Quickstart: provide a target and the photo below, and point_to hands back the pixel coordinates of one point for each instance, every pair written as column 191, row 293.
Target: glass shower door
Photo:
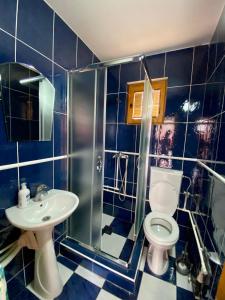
column 143, row 159
column 86, row 151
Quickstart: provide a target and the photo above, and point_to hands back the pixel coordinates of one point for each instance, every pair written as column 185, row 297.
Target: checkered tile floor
column 82, row 284
column 120, row 242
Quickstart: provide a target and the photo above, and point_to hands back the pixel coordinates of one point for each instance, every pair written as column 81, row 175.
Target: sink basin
column 55, row 207
column 41, row 217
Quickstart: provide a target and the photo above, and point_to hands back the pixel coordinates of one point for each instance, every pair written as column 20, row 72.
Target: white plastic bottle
column 23, row 196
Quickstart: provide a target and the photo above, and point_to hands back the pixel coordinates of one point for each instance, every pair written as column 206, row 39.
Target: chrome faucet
column 42, row 190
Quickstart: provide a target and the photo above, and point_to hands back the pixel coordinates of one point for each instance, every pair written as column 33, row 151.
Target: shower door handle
column 99, row 164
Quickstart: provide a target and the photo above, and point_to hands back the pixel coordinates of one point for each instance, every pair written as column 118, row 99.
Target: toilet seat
column 163, row 220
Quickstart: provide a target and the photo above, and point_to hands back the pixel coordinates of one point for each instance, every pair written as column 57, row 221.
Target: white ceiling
column 119, row 28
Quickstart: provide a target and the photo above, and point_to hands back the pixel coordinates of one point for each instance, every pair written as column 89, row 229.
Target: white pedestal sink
column 41, row 217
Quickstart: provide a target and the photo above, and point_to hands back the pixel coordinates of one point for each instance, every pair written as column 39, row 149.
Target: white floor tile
column 103, row 295
column 131, row 233
column 155, row 289
column 106, row 220
column 143, row 259
column 112, row 244
column 172, row 252
column 30, row 288
column 182, row 281
column 65, row 273
column 90, row 276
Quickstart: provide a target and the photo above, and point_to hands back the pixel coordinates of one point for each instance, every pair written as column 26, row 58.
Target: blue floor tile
column 120, row 227
column 80, row 289
column 117, row 291
column 127, row 250
column 184, row 294
column 25, row 295
column 169, row 276
column 67, row 263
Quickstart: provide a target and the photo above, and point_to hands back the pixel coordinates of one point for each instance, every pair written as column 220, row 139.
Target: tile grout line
column 16, row 24
column 189, row 98
column 53, row 81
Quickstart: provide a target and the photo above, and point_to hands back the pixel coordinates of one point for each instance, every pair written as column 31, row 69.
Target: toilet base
column 157, row 259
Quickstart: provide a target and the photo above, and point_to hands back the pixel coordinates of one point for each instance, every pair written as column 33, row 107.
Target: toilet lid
column 163, row 198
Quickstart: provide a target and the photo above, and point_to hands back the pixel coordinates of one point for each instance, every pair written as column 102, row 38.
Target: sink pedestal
column 47, row 282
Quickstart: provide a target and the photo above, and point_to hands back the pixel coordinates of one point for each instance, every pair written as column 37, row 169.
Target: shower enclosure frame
column 95, row 67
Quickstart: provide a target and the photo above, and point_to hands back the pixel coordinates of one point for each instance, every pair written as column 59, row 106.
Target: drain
column 46, row 218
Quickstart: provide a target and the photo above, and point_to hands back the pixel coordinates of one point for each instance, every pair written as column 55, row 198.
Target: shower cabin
column 102, row 221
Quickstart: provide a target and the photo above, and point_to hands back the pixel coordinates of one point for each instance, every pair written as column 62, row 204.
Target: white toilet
column 161, row 230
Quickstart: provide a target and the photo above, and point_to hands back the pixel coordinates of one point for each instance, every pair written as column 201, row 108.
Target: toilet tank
column 164, row 190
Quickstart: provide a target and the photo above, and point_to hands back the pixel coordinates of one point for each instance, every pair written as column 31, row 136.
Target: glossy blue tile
column 7, row 149
column 28, row 256
column 63, row 35
column 121, row 227
column 196, row 102
column 126, row 138
column 7, row 44
column 200, row 65
column 29, row 273
column 132, row 169
column 169, row 276
column 221, row 145
column 111, row 108
column 178, row 67
column 212, row 60
column 108, row 197
column 109, row 165
column 116, row 291
column 60, row 174
column 192, row 138
column 156, row 64
column 60, row 84
column 122, row 201
column 35, row 25
column 35, row 150
column 60, row 231
column 213, row 99
column 113, row 79
column 129, row 72
column 79, row 288
column 110, row 137
column 26, row 295
column 67, row 263
column 122, row 108
column 170, row 137
column 127, row 250
column 60, row 134
column 122, row 214
column 177, row 104
column 185, row 233
column 37, row 174
column 220, row 51
column 14, row 266
column 184, row 294
column 84, row 54
column 16, row 285
column 219, row 74
column 26, row 55
column 8, row 188
column 8, row 15
column 108, row 209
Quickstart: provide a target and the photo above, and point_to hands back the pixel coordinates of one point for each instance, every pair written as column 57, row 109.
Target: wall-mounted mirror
column 27, row 101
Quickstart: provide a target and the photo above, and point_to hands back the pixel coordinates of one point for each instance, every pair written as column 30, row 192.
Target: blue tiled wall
column 187, row 72
column 211, row 147
column 39, row 38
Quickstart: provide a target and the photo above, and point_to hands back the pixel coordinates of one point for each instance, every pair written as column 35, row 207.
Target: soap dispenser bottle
column 23, row 196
